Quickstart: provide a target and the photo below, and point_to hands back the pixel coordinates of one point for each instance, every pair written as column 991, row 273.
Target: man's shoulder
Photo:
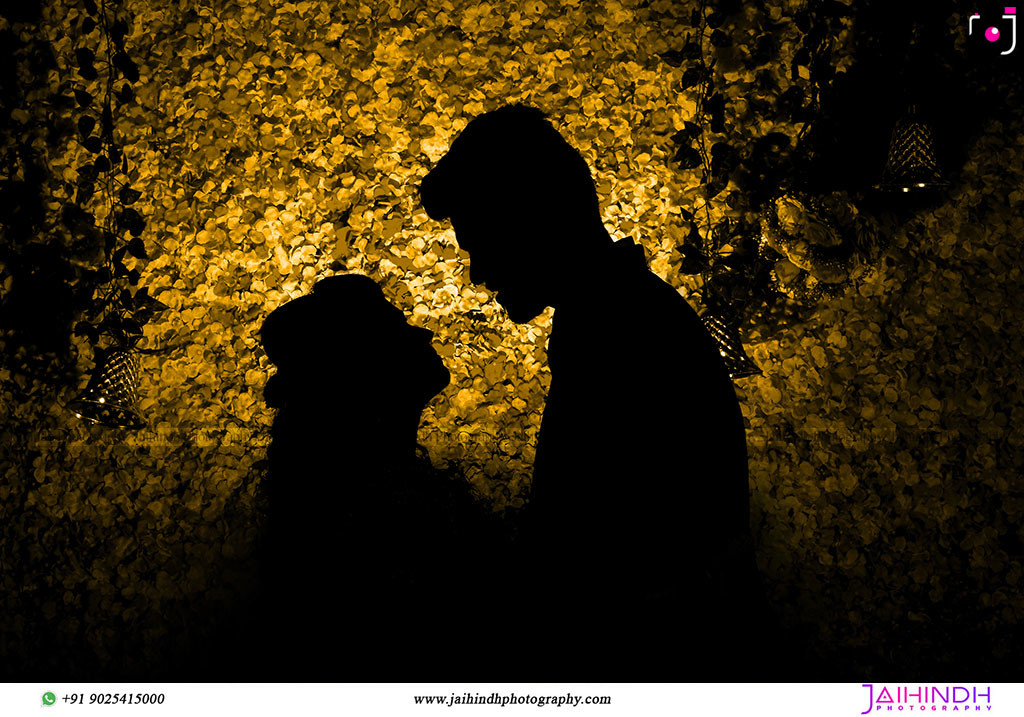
column 638, row 314
column 646, row 295
column 629, row 306
column 645, row 285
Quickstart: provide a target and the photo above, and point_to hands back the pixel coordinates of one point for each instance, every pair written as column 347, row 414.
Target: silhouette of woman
column 368, row 549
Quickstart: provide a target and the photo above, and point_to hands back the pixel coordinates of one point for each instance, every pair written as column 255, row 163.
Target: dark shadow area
column 907, row 54
column 44, row 266
column 640, row 558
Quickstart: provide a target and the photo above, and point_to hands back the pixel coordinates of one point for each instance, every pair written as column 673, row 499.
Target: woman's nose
column 272, row 393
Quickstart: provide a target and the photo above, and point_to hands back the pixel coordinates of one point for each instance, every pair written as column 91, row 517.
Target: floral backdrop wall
column 274, row 143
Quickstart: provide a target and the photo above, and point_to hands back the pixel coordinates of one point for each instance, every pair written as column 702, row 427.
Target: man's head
column 522, row 203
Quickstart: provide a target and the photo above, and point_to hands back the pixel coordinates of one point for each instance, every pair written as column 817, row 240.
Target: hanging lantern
column 911, row 166
column 111, row 396
column 727, row 339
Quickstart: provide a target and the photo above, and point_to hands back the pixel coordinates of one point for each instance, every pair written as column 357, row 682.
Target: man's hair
column 513, row 154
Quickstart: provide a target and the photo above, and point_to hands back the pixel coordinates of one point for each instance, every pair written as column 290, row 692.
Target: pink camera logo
column 993, row 34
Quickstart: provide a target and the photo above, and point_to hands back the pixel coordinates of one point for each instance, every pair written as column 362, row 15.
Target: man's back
column 640, row 485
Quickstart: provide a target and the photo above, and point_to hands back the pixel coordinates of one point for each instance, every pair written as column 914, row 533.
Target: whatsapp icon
column 49, row 698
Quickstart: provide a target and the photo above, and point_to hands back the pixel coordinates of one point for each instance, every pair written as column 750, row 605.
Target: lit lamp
column 111, row 396
column 911, row 166
column 727, row 340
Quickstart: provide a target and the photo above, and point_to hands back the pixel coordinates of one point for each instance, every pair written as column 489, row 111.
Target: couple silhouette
column 632, row 560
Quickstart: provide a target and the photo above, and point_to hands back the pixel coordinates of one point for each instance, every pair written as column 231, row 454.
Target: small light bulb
column 103, row 400
column 920, row 184
column 906, row 189
column 723, row 353
column 78, row 415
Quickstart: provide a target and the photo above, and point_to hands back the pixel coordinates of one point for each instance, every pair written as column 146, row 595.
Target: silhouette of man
column 640, row 505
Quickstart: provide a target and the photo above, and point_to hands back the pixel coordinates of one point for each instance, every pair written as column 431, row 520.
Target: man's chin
column 441, row 378
column 520, row 310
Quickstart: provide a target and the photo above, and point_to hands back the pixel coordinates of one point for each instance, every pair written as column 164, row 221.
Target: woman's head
column 346, row 349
